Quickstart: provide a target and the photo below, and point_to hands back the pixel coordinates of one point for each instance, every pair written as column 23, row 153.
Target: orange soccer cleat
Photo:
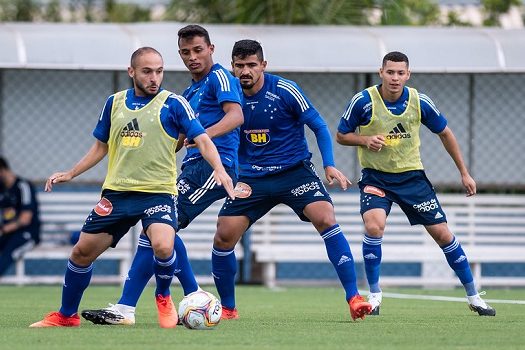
column 56, row 319
column 359, row 307
column 229, row 314
column 168, row 317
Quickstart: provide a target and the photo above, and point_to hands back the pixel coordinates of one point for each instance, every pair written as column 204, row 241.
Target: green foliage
column 125, row 13
column 18, row 10
column 52, row 12
column 409, row 12
column 270, row 11
column 495, row 8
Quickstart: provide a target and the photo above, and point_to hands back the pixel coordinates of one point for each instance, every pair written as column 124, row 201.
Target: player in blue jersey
column 384, row 121
column 19, row 221
column 215, row 96
column 275, row 168
column 138, row 130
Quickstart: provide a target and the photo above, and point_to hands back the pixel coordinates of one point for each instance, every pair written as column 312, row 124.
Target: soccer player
column 138, row 129
column 215, row 96
column 274, row 168
column 388, row 117
column 19, row 221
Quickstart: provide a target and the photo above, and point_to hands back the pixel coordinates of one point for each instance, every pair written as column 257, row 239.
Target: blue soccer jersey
column 359, row 112
column 272, row 136
column 206, row 97
column 176, row 117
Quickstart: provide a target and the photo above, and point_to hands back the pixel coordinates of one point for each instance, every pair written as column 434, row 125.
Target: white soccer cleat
column 476, row 304
column 118, row 314
column 375, row 300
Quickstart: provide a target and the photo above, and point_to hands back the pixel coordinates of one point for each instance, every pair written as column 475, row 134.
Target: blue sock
column 224, row 268
column 458, row 261
column 76, row 281
column 341, row 257
column 183, row 270
column 164, row 269
column 372, row 258
column 139, row 274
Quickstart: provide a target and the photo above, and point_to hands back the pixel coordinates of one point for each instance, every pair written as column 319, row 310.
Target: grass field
column 287, row 318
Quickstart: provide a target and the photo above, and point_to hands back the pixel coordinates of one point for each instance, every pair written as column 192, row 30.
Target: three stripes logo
column 396, row 134
column 131, row 134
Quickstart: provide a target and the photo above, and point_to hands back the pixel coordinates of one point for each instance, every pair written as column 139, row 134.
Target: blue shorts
column 198, row 190
column 117, row 212
column 411, row 190
column 296, row 187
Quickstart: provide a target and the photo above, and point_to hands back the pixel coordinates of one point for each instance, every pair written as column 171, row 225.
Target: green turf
column 288, row 318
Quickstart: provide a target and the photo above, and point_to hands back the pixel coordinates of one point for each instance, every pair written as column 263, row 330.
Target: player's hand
column 57, row 178
column 223, row 179
column 375, row 143
column 469, row 184
column 332, row 174
column 187, row 144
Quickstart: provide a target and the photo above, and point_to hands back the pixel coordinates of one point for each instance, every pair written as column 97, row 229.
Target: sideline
column 443, row 298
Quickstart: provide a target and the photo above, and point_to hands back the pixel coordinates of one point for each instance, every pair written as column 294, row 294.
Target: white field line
column 442, row 298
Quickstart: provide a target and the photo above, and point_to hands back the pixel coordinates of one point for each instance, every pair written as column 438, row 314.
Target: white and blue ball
column 200, row 310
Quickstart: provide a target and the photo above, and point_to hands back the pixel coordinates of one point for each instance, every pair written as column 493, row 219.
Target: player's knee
column 224, row 241
column 82, row 256
column 162, row 249
column 375, row 229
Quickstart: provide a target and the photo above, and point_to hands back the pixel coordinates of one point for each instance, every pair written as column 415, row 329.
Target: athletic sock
column 224, row 268
column 372, row 254
column 76, row 280
column 457, row 260
column 164, row 269
column 340, row 256
column 139, row 274
column 183, row 270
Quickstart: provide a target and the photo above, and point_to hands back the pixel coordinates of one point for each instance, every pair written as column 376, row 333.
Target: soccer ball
column 200, row 310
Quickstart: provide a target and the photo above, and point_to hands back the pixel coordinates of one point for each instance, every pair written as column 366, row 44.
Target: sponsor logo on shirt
column 396, row 135
column 131, row 135
column 258, row 137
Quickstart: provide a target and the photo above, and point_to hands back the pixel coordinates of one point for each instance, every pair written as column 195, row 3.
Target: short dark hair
column 139, row 52
column 247, row 47
column 193, row 30
column 395, row 56
column 4, row 165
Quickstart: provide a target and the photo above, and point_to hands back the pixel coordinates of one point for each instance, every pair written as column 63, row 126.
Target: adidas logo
column 131, row 134
column 460, row 259
column 343, row 259
column 398, row 132
column 370, row 256
column 318, row 194
column 438, row 215
column 166, row 217
column 132, row 125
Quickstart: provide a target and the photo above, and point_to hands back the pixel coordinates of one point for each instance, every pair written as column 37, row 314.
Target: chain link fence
column 47, row 117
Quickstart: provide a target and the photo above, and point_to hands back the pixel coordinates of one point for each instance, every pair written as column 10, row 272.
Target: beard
column 145, row 90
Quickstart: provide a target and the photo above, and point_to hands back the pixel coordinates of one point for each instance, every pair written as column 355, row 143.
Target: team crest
column 104, row 207
column 242, row 190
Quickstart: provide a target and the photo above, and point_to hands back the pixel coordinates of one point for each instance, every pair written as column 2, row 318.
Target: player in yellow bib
column 383, row 121
column 138, row 129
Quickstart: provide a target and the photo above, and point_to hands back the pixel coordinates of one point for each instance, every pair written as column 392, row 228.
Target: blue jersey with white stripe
column 272, row 136
column 206, row 96
column 359, row 112
column 176, row 116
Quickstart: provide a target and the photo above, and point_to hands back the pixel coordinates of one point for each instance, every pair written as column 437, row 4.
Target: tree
column 409, row 12
column 270, row 11
column 495, row 8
